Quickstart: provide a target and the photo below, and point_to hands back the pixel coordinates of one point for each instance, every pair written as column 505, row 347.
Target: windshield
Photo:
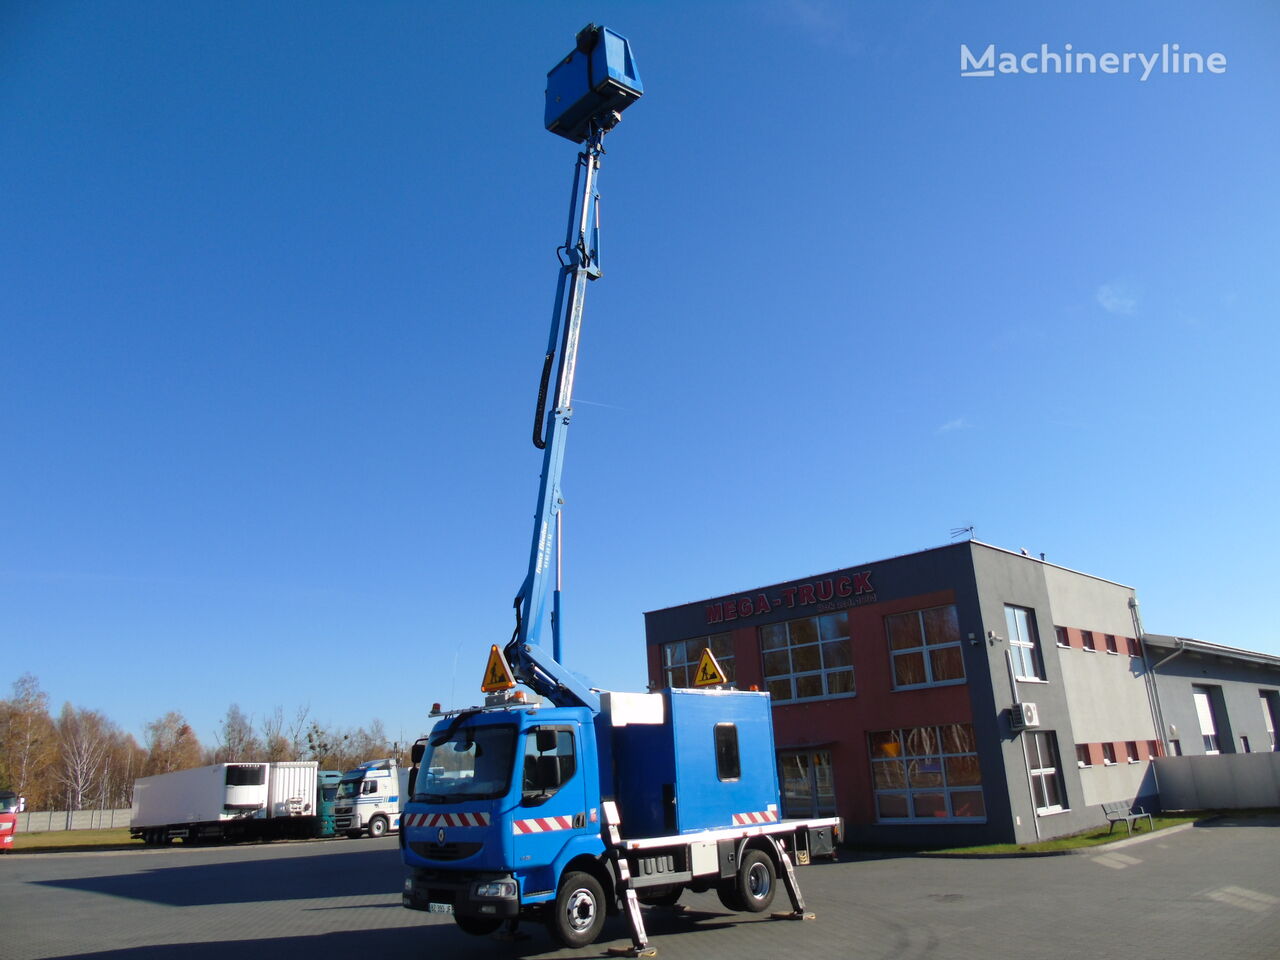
column 349, row 789
column 472, row 763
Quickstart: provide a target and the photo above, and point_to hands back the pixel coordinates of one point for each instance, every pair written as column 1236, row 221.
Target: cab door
column 552, row 806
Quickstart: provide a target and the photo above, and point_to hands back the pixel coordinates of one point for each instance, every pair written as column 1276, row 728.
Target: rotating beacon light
column 592, row 85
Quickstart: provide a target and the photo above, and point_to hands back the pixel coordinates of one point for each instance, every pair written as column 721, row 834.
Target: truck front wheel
column 577, row 916
column 378, row 827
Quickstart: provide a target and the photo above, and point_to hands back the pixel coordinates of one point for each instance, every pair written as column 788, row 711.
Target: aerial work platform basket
column 593, row 84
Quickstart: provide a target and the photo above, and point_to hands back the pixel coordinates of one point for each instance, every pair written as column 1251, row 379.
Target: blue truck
column 561, row 803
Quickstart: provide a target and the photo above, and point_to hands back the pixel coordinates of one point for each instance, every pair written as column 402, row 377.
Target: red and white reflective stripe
column 447, row 820
column 764, row 816
column 543, row 825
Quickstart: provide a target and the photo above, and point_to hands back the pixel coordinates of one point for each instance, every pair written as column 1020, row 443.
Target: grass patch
column 62, row 841
column 1090, row 838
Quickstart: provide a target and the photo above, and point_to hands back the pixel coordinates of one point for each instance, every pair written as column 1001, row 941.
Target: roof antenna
column 958, row 532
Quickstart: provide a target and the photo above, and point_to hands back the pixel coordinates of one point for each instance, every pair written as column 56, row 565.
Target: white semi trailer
column 227, row 801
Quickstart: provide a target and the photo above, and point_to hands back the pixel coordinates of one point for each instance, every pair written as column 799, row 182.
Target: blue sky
column 275, row 281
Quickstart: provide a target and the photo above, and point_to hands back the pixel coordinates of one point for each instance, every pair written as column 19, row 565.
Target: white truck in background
column 228, row 801
column 370, row 798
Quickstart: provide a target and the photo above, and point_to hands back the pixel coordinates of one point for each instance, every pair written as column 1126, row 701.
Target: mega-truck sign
column 846, row 589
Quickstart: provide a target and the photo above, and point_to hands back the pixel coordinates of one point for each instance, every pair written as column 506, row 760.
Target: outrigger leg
column 793, row 888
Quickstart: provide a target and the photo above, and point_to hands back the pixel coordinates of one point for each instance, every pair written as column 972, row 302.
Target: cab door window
column 550, row 762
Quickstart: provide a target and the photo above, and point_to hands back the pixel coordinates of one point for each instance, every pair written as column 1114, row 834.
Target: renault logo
column 440, row 835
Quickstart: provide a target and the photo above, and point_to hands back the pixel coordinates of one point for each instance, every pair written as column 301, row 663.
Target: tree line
column 81, row 760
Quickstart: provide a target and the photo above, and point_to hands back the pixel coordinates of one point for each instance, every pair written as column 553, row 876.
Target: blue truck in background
column 570, row 804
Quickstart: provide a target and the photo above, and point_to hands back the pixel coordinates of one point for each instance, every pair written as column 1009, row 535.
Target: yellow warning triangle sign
column 709, row 673
column 497, row 675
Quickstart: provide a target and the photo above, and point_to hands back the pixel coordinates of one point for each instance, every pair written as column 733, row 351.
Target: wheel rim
column 758, row 881
column 580, row 909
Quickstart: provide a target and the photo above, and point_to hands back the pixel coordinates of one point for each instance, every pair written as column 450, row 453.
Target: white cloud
column 1118, row 298
column 959, row 423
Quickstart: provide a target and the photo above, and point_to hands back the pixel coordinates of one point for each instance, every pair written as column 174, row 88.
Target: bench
column 1121, row 811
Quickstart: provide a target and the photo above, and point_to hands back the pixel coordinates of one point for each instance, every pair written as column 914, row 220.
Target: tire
column 477, row 926
column 353, row 834
column 757, row 881
column 378, row 827
column 728, row 894
column 577, row 916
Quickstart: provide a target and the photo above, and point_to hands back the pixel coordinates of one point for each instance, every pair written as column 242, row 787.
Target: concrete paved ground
column 1208, row 892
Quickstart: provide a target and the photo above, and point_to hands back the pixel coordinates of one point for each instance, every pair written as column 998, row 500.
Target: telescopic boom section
column 586, row 93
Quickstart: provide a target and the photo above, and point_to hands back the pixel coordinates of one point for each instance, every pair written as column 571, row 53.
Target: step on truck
column 370, row 798
column 572, row 804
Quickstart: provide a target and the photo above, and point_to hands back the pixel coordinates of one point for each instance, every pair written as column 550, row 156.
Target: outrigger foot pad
column 632, row 951
column 794, row 915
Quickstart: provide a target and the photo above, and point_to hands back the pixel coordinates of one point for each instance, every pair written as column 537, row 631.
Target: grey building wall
column 1235, row 678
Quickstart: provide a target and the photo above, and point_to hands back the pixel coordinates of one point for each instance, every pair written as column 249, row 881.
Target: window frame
column 924, row 649
column 1032, row 645
column 888, row 752
column 820, row 642
column 1042, row 774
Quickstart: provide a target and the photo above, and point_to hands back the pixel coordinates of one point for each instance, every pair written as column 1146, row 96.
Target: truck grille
column 445, row 851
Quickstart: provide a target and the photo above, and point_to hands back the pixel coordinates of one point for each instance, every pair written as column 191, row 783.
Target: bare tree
column 84, row 739
column 236, row 739
column 275, row 746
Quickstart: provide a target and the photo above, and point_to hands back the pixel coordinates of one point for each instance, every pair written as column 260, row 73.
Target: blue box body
column 666, row 773
column 586, row 85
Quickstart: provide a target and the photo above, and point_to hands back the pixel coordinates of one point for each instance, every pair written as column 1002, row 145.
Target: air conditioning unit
column 1023, row 716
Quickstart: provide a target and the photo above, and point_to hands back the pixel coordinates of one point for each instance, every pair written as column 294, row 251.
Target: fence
column 39, row 821
column 1228, row 781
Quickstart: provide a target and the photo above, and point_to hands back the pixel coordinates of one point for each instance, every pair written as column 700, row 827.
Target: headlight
column 408, row 884
column 495, row 888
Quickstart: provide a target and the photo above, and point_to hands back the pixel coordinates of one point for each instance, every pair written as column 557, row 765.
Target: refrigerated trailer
column 228, row 801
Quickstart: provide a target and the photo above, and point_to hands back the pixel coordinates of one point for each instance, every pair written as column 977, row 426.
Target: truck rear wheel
column 757, row 881
column 577, row 916
column 378, row 827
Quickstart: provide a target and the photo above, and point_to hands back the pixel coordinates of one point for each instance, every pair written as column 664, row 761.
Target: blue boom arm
column 586, row 93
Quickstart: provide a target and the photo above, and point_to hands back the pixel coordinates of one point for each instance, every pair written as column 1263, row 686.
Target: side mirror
column 545, row 739
column 418, row 751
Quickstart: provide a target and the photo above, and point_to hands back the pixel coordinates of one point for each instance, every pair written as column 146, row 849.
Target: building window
column 1046, row 778
column 1111, row 643
column 1131, row 750
column 1087, row 637
column 1270, row 700
column 1244, row 744
column 925, row 647
column 1175, row 748
column 1135, row 648
column 1082, row 755
column 1203, row 697
column 1060, row 633
column 807, row 659
column 1024, row 643
column 681, row 657
column 927, row 774
column 1109, row 754
column 808, row 784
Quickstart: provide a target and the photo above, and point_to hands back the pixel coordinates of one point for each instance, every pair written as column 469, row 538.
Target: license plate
column 439, row 908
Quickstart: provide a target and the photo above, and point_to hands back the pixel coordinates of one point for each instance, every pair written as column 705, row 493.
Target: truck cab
column 369, row 799
column 505, row 802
